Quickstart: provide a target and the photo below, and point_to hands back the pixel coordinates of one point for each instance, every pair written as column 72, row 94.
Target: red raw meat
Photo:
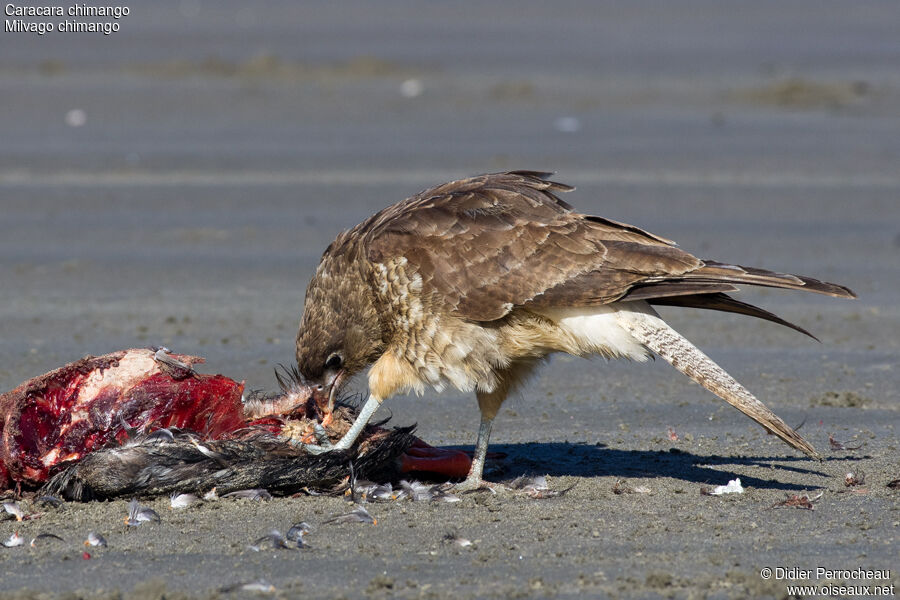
column 67, row 413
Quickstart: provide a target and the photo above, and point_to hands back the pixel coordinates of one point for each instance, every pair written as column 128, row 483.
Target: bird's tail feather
column 653, row 332
column 716, row 272
column 725, row 303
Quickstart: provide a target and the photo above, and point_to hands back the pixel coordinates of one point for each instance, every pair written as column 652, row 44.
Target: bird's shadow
column 598, row 460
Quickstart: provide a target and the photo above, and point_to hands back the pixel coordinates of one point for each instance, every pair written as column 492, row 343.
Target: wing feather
column 487, row 244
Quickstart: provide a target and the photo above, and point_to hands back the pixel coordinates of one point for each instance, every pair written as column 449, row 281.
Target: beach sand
column 218, row 150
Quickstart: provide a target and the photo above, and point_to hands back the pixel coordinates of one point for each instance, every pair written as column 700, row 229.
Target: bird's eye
column 334, row 361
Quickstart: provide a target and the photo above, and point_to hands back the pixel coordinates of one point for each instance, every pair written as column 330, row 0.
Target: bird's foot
column 324, row 444
column 317, row 449
column 476, row 484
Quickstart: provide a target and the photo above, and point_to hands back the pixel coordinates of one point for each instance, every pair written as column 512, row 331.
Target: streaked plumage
column 474, row 282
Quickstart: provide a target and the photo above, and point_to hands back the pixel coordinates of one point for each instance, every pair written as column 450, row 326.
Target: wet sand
column 223, row 148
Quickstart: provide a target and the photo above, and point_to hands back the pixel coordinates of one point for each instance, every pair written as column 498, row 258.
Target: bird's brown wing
column 486, row 244
column 490, row 243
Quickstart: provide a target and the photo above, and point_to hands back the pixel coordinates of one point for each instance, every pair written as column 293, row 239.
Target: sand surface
column 175, row 183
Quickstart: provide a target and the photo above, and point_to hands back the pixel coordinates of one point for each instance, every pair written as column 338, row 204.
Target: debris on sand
column 357, row 515
column 14, row 540
column 95, row 539
column 733, row 487
column 278, row 541
column 15, row 510
column 798, row 501
column 369, row 491
column 260, row 586
column 138, row 515
column 457, row 540
column 852, row 479
column 417, row 491
column 837, row 446
column 255, row 495
column 44, row 536
column 414, row 490
column 178, row 501
column 297, row 532
column 536, row 487
column 442, row 493
column 361, row 491
column 620, row 488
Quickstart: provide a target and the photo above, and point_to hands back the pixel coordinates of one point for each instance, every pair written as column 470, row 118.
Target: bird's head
column 340, row 333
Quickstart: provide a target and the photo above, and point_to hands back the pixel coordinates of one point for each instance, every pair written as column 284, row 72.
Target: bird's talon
column 316, row 449
column 321, row 436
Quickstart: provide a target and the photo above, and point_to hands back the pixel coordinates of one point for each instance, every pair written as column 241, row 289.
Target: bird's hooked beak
column 325, row 392
column 302, row 397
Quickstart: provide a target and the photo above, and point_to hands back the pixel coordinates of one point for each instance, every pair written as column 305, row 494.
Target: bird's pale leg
column 489, row 403
column 473, row 480
column 362, row 419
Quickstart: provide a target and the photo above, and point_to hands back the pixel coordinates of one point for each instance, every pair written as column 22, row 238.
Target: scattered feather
column 379, row 493
column 278, row 541
column 733, row 487
column 415, row 491
column 15, row 510
column 536, row 487
column 257, row 495
column 296, row 532
column 361, row 490
column 457, row 540
column 260, row 585
column 14, row 540
column 95, row 539
column 138, row 515
column 177, row 500
column 441, row 493
column 357, row 515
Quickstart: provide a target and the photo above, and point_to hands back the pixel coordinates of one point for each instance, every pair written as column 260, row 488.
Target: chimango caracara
column 474, row 282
